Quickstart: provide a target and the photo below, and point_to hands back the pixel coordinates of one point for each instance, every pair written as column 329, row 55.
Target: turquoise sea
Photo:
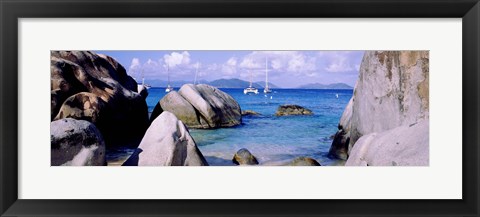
column 272, row 139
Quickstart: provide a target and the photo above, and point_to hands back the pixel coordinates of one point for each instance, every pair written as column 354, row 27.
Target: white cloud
column 212, row 67
column 230, row 67
column 249, row 62
column 177, row 59
column 280, row 61
column 287, row 68
column 135, row 65
column 339, row 62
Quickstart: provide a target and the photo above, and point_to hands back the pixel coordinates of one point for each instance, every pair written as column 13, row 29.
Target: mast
column 143, row 78
column 250, row 79
column 196, row 72
column 266, row 73
column 168, row 75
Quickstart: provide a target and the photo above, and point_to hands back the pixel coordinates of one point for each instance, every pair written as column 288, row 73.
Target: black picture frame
column 12, row 10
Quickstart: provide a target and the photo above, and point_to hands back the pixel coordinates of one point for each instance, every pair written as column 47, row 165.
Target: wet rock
column 249, row 113
column 303, row 161
column 285, row 110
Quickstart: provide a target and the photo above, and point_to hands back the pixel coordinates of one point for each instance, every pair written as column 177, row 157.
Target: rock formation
column 76, row 143
column 285, row 110
column 406, row 145
column 392, row 91
column 200, row 106
column 167, row 142
column 96, row 88
column 249, row 113
column 244, row 157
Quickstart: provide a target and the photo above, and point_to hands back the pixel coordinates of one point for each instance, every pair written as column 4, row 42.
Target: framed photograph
column 252, row 108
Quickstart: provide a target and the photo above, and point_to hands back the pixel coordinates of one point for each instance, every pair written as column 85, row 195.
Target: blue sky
column 286, row 68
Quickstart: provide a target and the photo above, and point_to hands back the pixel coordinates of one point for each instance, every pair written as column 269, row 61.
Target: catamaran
column 266, row 90
column 169, row 88
column 250, row 89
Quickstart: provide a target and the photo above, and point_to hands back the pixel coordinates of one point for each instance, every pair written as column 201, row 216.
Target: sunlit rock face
column 167, row 142
column 392, row 91
column 201, row 106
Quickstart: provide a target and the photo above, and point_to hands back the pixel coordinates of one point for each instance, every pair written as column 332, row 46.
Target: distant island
column 326, row 86
column 238, row 83
column 220, row 83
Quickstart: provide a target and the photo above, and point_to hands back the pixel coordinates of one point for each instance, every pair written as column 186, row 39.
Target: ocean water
column 273, row 140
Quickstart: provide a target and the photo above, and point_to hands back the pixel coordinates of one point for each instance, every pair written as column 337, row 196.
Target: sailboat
column 146, row 86
column 169, row 88
column 266, row 90
column 250, row 89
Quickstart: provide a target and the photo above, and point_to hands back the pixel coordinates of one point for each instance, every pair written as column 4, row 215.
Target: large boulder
column 76, row 143
column 391, row 91
column 167, row 142
column 180, row 107
column 285, row 110
column 201, row 106
column 401, row 146
column 96, row 88
column 244, row 157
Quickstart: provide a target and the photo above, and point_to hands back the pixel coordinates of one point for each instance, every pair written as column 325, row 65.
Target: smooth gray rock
column 244, row 157
column 285, row 110
column 181, row 108
column 392, row 90
column 167, row 142
column 76, row 143
column 407, row 145
column 215, row 108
